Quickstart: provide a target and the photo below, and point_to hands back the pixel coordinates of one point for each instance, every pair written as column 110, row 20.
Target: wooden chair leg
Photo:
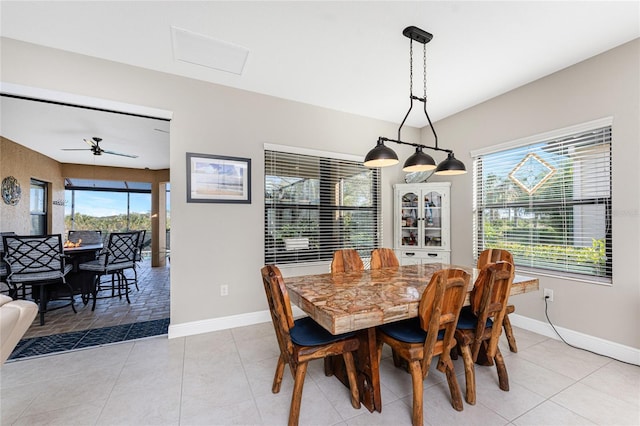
column 397, row 361
column 469, row 375
column 277, row 380
column 503, row 377
column 454, row 389
column 416, row 381
column 328, row 367
column 296, row 398
column 508, row 331
column 351, row 374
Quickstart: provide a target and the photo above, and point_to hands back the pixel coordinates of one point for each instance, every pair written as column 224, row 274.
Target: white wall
column 607, row 85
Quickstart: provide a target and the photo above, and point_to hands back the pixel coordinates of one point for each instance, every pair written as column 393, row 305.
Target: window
column 547, row 199
column 316, row 203
column 38, row 207
column 108, row 206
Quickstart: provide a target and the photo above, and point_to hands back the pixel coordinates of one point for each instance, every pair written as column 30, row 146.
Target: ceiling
column 346, row 56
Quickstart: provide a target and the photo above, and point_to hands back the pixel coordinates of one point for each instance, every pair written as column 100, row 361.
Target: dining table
column 82, row 282
column 359, row 301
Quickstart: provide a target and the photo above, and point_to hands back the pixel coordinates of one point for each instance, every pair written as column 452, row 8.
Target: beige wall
column 211, row 244
column 223, row 243
column 607, row 85
column 25, row 164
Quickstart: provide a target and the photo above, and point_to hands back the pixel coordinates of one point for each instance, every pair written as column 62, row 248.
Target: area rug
column 45, row 345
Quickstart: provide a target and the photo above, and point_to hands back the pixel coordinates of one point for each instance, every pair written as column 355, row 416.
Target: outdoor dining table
column 361, row 300
column 82, row 282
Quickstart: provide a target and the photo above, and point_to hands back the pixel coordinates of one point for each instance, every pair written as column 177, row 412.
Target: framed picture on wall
column 218, row 179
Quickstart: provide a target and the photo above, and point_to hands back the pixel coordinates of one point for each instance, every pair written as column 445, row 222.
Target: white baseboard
column 224, row 323
column 580, row 340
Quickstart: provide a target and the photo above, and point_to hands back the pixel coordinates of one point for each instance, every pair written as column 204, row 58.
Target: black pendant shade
column 419, row 162
column 381, row 156
column 451, row 166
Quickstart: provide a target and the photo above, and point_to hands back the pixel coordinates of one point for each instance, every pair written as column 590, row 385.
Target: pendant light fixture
column 383, row 156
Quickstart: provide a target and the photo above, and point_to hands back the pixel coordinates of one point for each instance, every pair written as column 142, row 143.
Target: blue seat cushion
column 468, row 321
column 407, row 331
column 307, row 332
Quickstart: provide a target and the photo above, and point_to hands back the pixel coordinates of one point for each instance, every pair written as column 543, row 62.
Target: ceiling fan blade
column 75, row 149
column 90, row 142
column 119, row 153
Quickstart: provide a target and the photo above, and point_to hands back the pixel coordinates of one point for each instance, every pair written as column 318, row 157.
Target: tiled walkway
column 151, row 302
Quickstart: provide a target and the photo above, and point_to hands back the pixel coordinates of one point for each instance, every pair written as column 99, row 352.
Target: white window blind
column 548, row 201
column 316, row 204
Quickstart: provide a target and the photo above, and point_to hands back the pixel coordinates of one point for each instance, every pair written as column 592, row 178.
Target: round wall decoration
column 11, row 191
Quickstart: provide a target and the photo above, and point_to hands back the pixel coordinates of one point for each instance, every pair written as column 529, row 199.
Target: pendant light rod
column 383, row 156
column 416, row 145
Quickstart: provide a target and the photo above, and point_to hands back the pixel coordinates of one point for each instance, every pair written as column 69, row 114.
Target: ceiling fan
column 94, row 147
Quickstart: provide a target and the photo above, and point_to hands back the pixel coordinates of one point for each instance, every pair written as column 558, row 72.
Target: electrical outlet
column 224, row 290
column 548, row 294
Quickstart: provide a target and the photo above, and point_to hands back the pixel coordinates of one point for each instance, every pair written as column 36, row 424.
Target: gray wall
column 607, row 85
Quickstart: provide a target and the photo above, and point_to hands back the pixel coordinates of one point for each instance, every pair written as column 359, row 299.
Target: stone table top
column 350, row 301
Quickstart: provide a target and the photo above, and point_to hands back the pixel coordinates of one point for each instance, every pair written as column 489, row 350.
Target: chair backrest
column 494, row 255
column 280, row 308
column 439, row 309
column 87, row 237
column 489, row 299
column 141, row 243
column 122, row 248
column 383, row 258
column 29, row 254
column 346, row 260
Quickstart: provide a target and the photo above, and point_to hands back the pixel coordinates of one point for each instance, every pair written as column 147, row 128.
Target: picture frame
column 218, row 179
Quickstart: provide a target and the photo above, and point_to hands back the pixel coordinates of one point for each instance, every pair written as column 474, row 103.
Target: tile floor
column 224, row 378
column 151, row 302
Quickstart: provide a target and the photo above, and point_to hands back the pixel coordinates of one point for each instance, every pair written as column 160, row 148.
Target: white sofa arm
column 15, row 318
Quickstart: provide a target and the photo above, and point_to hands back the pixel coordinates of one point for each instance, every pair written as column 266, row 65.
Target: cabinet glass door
column 410, row 215
column 432, row 223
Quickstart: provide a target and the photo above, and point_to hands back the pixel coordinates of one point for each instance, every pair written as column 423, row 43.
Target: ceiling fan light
column 380, row 156
column 419, row 162
column 451, row 167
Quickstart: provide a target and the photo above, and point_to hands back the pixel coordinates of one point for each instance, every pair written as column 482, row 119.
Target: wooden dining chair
column 496, row 255
column 301, row 341
column 383, row 258
column 346, row 260
column 418, row 340
column 475, row 333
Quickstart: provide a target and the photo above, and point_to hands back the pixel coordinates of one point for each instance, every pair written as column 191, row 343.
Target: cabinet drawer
column 409, row 257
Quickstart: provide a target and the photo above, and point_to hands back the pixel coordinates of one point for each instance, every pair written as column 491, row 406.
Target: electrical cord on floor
column 546, row 306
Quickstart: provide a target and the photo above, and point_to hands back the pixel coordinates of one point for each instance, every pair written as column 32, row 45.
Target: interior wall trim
column 581, row 340
column 578, row 339
column 224, row 323
column 71, row 99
